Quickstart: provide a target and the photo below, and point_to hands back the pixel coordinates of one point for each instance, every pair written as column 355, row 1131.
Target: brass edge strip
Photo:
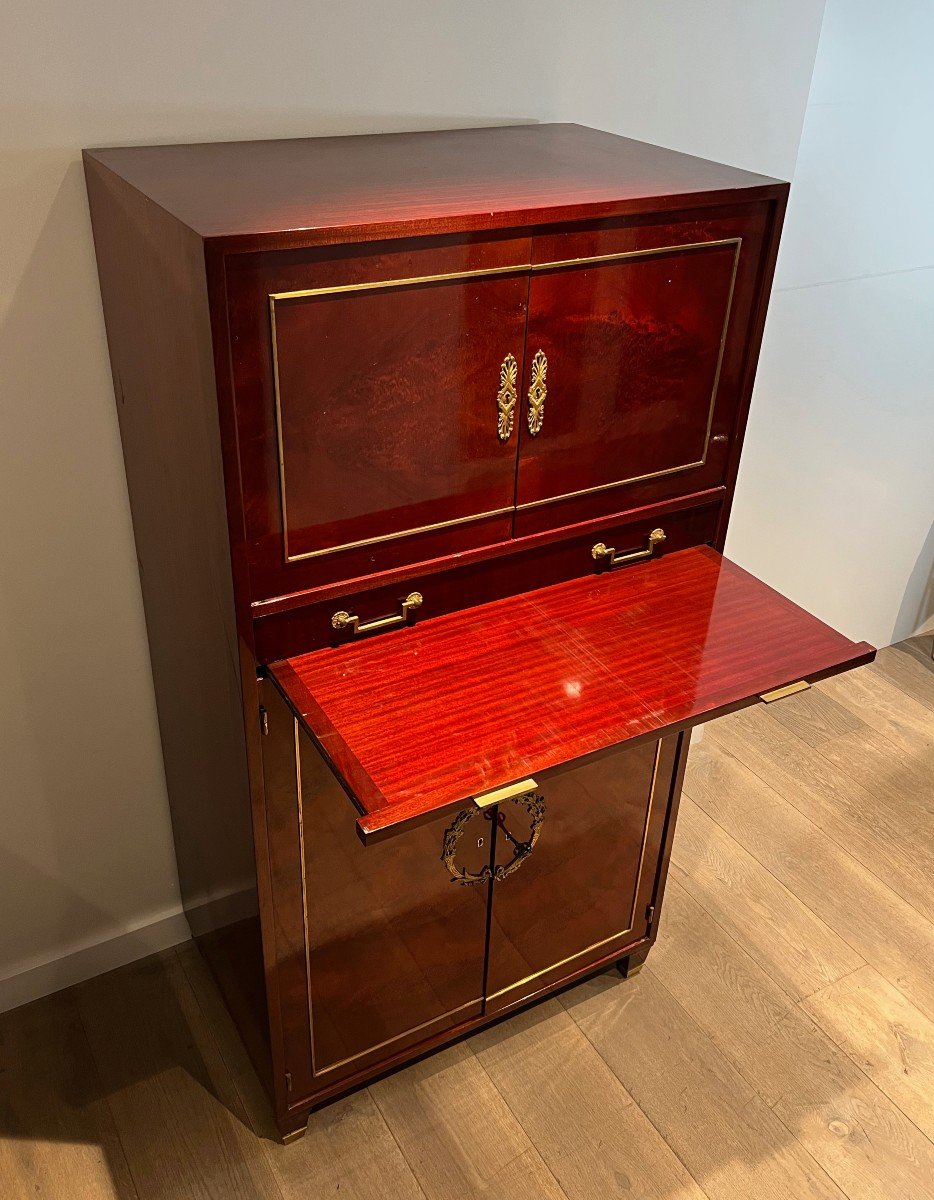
column 301, row 852
column 635, row 898
column 602, row 487
column 390, row 537
column 388, row 1042
column 414, row 281
column 404, row 281
column 790, row 689
column 508, row 792
column 596, row 258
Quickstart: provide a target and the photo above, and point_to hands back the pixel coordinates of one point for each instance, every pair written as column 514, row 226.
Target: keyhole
column 479, row 843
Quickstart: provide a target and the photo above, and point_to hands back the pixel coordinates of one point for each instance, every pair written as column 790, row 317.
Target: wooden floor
column 778, row 1044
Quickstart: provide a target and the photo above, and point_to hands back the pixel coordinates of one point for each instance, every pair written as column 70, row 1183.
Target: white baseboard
column 29, row 981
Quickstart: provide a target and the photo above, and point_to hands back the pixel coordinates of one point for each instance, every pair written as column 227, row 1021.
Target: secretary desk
column 431, row 441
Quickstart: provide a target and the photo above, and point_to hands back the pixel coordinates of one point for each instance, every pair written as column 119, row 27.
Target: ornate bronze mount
column 532, row 802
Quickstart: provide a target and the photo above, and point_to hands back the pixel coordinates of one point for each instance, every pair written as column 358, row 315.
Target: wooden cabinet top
column 435, row 714
column 386, row 185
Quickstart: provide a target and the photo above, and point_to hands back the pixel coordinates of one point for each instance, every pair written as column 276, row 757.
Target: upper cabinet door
column 387, row 408
column 633, row 369
column 386, row 404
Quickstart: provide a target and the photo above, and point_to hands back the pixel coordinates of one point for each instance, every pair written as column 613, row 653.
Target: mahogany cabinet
column 431, row 441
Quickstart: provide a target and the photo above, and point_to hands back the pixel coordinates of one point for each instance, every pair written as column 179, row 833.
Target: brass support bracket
column 790, row 689
column 509, row 792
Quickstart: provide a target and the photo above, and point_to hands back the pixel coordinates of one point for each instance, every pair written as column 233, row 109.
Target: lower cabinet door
column 581, row 894
column 395, row 949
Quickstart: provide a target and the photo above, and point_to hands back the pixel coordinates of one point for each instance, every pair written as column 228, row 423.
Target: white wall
column 87, row 874
column 836, row 494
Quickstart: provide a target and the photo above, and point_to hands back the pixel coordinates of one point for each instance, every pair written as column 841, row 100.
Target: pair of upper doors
column 422, row 412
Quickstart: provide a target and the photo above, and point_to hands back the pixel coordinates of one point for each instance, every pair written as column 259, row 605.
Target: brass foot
column 288, row 1138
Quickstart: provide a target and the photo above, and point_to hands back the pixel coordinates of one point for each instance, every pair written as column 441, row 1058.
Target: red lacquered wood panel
column 633, row 349
column 385, row 418
column 340, row 188
column 387, row 409
column 395, row 949
column 585, row 887
column 493, row 694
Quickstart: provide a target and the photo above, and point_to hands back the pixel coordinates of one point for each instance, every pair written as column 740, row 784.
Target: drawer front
column 583, row 892
column 634, row 363
column 539, row 562
column 376, row 405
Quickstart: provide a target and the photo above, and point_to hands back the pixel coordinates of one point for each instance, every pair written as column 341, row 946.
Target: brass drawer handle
column 506, row 398
column 608, row 554
column 346, row 620
column 538, row 393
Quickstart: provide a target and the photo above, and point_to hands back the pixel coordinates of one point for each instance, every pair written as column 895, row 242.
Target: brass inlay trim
column 508, row 792
column 396, row 1038
column 635, row 899
column 406, row 281
column 414, row 281
column 315, row 1070
column 301, row 855
column 790, row 689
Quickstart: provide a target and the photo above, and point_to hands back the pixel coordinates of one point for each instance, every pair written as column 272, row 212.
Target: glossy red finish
column 633, row 349
column 494, row 694
column 388, row 412
column 340, row 188
column 303, row 623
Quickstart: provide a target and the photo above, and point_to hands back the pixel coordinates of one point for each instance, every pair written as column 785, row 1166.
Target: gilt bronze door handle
column 538, row 392
column 506, row 398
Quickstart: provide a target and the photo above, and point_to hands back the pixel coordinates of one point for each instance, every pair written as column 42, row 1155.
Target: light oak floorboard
column 868, row 826
column 329, row 1160
column 848, row 1125
column 885, row 707
column 911, row 674
column 178, row 1114
column 722, row 1130
column 885, row 1035
column 57, row 1135
column 879, row 925
column 457, row 1132
column 594, row 1138
column 814, row 717
column 797, row 949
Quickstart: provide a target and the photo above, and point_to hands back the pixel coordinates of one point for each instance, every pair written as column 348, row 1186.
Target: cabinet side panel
column 154, row 293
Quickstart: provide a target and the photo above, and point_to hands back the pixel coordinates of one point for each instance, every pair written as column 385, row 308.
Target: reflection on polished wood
column 567, row 671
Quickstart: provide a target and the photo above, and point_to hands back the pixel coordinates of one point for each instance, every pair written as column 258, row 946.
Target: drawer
column 536, row 563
